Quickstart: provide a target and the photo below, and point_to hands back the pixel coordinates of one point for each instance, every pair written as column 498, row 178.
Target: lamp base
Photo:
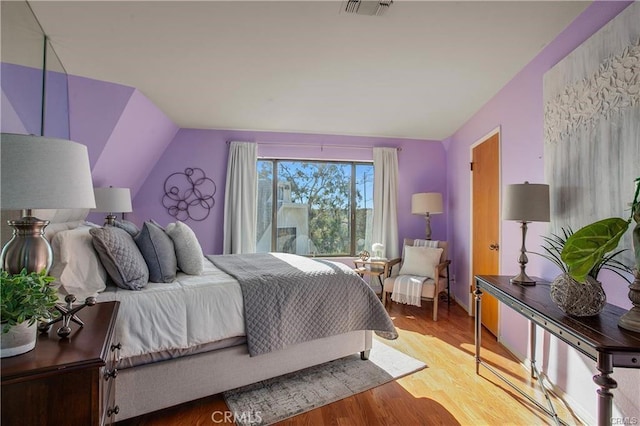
column 110, row 220
column 523, row 279
column 427, row 229
column 28, row 248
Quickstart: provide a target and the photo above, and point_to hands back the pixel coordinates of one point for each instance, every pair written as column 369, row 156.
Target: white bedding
column 173, row 318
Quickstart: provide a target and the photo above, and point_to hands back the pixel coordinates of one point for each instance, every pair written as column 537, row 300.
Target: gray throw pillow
column 188, row 250
column 158, row 252
column 120, row 256
column 131, row 228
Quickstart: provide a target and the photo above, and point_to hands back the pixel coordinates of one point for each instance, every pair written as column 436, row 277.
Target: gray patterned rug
column 273, row 400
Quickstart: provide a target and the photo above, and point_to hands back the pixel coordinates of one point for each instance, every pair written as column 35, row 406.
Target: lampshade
column 426, row 202
column 39, row 173
column 113, row 200
column 527, row 202
column 44, row 173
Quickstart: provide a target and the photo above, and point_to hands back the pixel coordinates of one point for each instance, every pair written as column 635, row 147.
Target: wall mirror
column 22, row 69
column 34, row 82
column 55, row 119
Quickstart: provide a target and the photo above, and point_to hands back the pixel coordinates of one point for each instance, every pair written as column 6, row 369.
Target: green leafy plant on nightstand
column 25, row 297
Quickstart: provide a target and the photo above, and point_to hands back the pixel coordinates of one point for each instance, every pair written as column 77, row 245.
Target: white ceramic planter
column 19, row 339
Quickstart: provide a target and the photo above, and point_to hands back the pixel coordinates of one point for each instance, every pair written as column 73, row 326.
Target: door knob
column 494, row 246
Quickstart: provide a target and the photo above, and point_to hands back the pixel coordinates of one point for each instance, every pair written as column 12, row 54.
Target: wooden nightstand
column 65, row 381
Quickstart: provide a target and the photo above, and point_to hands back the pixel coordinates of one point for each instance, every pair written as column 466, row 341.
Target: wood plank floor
column 448, row 392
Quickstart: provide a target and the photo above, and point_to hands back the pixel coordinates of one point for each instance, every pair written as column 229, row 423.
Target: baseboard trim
column 572, row 404
column 466, row 308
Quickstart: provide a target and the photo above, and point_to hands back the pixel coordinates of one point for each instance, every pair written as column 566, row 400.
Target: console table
column 598, row 337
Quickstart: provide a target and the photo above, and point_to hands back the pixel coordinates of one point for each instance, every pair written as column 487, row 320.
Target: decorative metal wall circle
column 189, row 194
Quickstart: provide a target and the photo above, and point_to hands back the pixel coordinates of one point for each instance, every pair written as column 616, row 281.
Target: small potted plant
column 25, row 298
column 579, row 298
column 586, row 248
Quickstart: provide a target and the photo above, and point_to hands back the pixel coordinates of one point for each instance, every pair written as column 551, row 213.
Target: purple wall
column 137, row 141
column 22, row 101
column 56, row 105
column 518, row 110
column 22, row 94
column 95, row 108
column 421, row 168
column 125, row 133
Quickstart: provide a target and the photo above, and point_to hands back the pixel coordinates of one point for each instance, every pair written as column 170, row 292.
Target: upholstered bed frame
column 151, row 387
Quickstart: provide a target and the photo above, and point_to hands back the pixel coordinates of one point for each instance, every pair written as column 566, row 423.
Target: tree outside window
column 321, row 208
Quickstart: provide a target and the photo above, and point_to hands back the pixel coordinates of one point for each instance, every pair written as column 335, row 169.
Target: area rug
column 276, row 399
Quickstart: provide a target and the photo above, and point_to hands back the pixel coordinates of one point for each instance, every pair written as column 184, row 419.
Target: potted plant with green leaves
column 590, row 246
column 25, row 298
column 579, row 298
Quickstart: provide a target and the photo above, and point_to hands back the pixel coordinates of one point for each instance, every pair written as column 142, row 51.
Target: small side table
column 65, row 381
column 380, row 268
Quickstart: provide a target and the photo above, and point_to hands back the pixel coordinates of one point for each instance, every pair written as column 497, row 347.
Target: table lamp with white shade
column 39, row 173
column 426, row 204
column 112, row 200
column 525, row 202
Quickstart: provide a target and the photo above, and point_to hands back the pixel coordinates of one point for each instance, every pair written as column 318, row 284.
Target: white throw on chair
column 423, row 274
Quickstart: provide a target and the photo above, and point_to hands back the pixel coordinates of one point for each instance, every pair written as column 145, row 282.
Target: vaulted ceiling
column 418, row 71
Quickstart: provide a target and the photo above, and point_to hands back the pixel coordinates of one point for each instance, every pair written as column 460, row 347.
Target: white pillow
column 420, row 261
column 76, row 265
column 188, row 250
column 53, row 228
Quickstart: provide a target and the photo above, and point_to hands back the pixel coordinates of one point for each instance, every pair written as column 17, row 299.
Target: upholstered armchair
column 421, row 274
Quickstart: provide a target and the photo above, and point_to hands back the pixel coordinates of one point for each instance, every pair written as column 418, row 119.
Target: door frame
column 496, row 130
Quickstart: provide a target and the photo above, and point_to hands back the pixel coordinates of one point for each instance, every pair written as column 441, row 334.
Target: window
column 322, row 208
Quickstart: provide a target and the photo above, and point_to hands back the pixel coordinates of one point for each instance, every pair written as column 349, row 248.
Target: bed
column 192, row 337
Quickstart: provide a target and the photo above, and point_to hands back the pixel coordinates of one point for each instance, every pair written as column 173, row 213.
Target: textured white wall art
column 592, row 127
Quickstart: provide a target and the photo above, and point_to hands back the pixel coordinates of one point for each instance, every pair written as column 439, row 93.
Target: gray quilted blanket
column 291, row 299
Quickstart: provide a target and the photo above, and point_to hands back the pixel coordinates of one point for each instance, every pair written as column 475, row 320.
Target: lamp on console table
column 525, row 203
column 39, row 173
column 112, row 200
column 426, row 204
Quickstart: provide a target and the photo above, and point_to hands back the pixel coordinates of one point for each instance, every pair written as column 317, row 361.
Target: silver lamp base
column 427, row 229
column 28, row 248
column 110, row 220
column 522, row 278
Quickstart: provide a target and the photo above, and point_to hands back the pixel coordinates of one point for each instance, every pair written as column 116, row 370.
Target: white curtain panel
column 240, row 210
column 385, row 199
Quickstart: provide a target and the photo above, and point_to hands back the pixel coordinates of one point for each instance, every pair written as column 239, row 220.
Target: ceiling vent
column 368, row 7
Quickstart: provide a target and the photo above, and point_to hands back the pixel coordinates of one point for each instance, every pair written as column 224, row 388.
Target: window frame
column 353, row 203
